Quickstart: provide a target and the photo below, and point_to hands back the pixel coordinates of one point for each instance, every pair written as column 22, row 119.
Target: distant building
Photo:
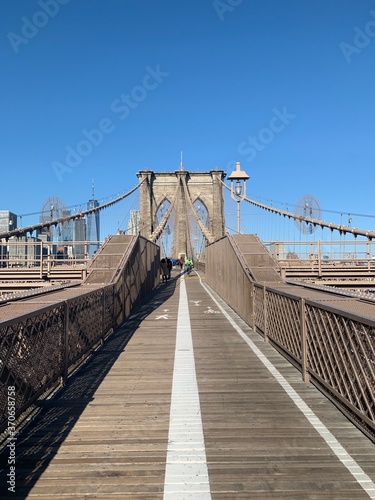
column 93, row 227
column 3, row 254
column 277, row 250
column 43, row 234
column 8, row 221
column 79, row 234
column 66, row 227
column 133, row 224
column 24, row 251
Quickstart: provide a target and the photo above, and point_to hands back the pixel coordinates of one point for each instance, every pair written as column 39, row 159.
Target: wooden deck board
column 106, row 433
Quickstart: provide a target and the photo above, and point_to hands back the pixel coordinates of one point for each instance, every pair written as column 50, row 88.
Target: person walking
column 163, row 270
column 169, row 268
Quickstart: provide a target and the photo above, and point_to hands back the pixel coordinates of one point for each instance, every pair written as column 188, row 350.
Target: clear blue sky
column 285, row 87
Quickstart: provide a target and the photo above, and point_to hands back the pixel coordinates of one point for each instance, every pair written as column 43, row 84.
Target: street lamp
column 238, row 190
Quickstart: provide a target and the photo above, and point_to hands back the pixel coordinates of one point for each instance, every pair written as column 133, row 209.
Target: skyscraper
column 93, row 225
column 8, row 221
column 79, row 234
column 66, row 227
column 133, row 223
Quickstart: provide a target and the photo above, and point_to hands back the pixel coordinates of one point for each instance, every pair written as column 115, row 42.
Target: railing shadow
column 53, row 419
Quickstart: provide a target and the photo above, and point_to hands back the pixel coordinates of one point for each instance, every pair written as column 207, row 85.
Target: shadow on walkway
column 39, row 440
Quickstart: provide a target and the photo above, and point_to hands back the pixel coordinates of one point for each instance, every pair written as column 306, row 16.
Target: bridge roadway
column 185, row 401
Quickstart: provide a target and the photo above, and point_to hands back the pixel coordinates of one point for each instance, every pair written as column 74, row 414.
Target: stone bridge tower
column 161, row 186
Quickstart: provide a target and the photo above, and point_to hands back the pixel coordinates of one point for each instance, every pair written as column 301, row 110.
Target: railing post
column 65, row 354
column 303, row 334
column 41, row 260
column 49, row 257
column 312, row 256
column 265, row 314
column 319, row 260
column 85, row 254
column 368, row 256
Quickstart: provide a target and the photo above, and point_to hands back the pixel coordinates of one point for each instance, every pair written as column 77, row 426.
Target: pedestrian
column 188, row 264
column 182, row 262
column 169, row 268
column 163, row 270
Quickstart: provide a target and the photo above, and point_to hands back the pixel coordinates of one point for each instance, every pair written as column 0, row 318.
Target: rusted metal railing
column 333, row 348
column 39, row 349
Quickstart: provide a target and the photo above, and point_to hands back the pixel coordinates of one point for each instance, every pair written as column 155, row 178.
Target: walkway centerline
column 186, row 473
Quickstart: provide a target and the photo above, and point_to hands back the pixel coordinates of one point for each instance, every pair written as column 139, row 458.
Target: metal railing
column 39, row 349
column 323, row 257
column 334, row 349
column 29, row 253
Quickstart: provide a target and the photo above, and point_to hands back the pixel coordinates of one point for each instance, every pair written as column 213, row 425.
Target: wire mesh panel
column 118, row 312
column 31, row 354
column 259, row 319
column 333, row 347
column 283, row 323
column 40, row 346
column 341, row 356
column 226, row 275
column 108, row 308
column 138, row 276
column 85, row 324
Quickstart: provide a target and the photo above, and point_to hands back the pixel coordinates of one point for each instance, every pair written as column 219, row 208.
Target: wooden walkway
column 185, row 401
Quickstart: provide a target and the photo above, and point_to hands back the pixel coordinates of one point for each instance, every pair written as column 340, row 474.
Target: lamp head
column 238, row 174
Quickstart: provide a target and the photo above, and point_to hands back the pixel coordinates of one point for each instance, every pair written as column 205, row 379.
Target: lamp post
column 238, row 190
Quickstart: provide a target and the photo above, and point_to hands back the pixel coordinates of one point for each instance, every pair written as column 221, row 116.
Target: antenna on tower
column 93, row 195
column 181, row 162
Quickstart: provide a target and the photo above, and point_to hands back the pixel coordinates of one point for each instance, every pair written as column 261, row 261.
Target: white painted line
column 186, row 474
column 357, row 472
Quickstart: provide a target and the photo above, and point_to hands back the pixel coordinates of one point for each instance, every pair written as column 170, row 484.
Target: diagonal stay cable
column 206, row 232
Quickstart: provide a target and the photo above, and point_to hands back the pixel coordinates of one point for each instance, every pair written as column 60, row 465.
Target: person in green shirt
column 188, row 264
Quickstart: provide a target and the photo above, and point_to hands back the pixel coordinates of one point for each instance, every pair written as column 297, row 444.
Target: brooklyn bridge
column 251, row 377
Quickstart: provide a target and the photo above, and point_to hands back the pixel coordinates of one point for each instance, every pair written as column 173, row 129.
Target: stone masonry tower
column 161, row 186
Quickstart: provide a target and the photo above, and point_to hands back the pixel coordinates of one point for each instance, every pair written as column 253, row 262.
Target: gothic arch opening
column 197, row 239
column 166, row 240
